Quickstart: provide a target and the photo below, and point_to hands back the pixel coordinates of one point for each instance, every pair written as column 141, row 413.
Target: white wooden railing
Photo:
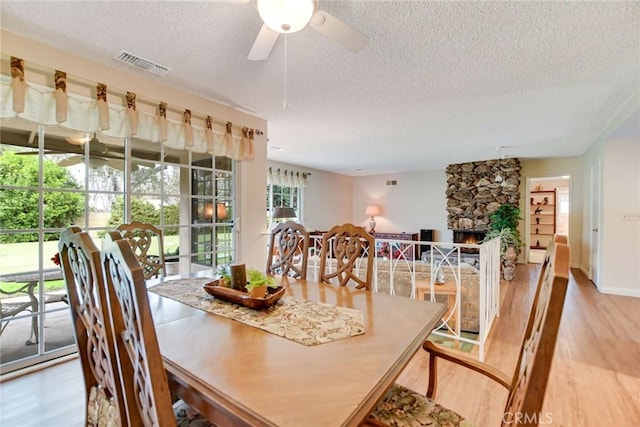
column 448, row 257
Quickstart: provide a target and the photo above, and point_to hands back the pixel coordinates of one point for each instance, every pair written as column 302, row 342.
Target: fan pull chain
column 285, row 104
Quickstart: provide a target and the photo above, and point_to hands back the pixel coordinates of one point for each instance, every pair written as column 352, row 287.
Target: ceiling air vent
column 145, row 64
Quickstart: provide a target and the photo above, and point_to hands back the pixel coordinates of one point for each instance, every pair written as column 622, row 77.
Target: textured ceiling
column 439, row 83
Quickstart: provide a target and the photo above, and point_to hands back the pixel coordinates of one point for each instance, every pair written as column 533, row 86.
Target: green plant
column 506, row 216
column 257, row 279
column 503, row 223
column 141, row 210
column 224, row 272
column 508, row 237
column 171, row 215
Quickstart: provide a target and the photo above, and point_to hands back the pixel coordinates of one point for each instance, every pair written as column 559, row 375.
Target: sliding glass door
column 53, row 177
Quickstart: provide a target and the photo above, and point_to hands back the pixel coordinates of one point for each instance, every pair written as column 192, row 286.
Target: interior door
column 595, row 222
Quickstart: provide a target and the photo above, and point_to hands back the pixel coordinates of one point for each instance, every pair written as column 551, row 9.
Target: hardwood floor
column 595, row 379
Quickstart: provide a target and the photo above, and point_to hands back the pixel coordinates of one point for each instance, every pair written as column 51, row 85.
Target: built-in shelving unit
column 542, row 205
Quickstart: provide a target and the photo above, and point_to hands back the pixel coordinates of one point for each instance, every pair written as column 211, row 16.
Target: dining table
column 241, row 375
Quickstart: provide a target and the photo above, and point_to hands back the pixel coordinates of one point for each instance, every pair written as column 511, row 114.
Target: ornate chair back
column 528, row 384
column 288, row 250
column 80, row 261
column 142, row 237
column 347, row 243
column 143, row 376
column 531, row 375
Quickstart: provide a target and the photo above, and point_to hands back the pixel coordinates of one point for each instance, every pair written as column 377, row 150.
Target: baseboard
column 583, row 269
column 625, row 292
column 37, row 367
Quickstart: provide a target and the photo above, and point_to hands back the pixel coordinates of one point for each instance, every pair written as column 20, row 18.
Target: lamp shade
column 372, row 210
column 221, row 211
column 282, row 212
column 208, row 210
column 286, row 16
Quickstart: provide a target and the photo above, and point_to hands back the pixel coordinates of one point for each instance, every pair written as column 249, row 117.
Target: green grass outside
column 23, row 257
column 49, row 285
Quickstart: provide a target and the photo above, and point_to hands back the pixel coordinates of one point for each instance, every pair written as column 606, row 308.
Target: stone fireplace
column 468, row 237
column 476, row 189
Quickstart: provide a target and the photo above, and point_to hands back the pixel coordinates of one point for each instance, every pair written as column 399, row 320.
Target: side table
column 423, row 287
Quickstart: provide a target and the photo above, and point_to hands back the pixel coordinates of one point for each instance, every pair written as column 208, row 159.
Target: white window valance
column 287, row 178
column 47, row 106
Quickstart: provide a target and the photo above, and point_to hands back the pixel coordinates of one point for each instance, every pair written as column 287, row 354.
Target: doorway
column 548, row 213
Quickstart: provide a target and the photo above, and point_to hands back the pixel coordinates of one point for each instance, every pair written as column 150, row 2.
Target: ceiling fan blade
column 113, row 155
column 264, row 43
column 119, row 165
column 341, row 33
column 71, row 161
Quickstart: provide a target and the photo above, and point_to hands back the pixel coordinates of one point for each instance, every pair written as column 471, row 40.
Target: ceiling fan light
column 286, row 16
column 76, row 140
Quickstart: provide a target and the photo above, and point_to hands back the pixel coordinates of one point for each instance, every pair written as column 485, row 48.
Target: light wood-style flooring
column 595, row 379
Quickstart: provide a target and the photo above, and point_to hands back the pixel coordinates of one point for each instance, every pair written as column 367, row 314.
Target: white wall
column 619, row 158
column 620, row 237
column 418, row 201
column 252, row 205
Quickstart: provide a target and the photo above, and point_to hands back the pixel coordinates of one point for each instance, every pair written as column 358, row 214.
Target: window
column 48, row 182
column 212, row 241
column 283, row 196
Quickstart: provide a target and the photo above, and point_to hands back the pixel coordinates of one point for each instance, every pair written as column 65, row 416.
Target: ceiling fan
column 99, row 154
column 290, row 16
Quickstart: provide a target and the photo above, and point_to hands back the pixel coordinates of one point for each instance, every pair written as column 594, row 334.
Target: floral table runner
column 303, row 321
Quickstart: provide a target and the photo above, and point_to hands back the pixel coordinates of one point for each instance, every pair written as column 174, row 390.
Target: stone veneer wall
column 476, row 189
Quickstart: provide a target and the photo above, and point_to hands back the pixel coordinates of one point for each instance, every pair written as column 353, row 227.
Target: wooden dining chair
column 144, row 380
column 288, row 250
column 142, row 237
column 348, row 244
column 80, row 262
column 404, row 407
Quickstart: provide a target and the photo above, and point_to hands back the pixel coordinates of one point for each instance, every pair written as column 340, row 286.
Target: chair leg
column 433, row 376
column 33, row 339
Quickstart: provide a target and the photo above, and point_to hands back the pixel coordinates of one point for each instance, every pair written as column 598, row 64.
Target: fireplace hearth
column 469, row 237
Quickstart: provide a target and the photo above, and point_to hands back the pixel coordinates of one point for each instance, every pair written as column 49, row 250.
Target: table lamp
column 221, row 211
column 283, row 213
column 372, row 210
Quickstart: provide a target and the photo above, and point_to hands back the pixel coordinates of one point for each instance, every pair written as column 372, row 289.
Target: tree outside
column 19, row 208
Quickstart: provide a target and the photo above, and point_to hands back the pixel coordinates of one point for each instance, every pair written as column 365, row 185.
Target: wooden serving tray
column 243, row 298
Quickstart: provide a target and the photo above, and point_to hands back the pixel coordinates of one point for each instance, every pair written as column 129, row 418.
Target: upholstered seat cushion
column 402, row 407
column 186, row 416
column 101, row 409
column 102, row 412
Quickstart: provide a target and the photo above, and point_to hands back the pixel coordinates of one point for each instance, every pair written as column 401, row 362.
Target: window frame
column 295, row 201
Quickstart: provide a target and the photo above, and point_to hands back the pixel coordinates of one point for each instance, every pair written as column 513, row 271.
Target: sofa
column 399, row 274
